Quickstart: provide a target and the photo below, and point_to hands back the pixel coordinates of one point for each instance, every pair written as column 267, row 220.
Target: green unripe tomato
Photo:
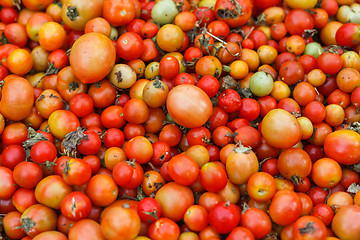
column 164, row 12
column 314, row 49
column 261, row 84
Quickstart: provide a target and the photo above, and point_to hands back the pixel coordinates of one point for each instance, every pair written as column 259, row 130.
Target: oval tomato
column 85, row 57
column 188, row 105
column 17, row 98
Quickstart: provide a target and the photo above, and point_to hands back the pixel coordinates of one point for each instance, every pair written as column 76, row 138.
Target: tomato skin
column 91, row 145
column 329, row 63
column 102, row 190
column 342, row 146
column 302, row 230
column 43, row 151
column 11, row 223
column 118, row 12
column 8, row 185
column 55, row 235
column 174, row 200
column 241, row 233
column 12, row 155
column 164, row 228
column 348, row 35
column 130, row 46
column 27, row 174
column 183, row 169
column 76, row 172
column 229, row 101
column 85, row 61
column 261, row 187
column 62, row 122
column 51, row 190
column 323, row 212
column 120, row 223
column 76, row 206
column 122, row 173
column 297, row 21
column 341, row 224
column 188, row 105
column 44, row 219
column 213, row 177
column 81, row 104
column 68, row 85
column 86, row 228
column 278, row 135
column 257, row 221
column 8, row 15
column 17, row 98
column 86, row 10
column 294, row 162
column 224, row 217
column 285, row 207
column 146, row 206
column 241, row 164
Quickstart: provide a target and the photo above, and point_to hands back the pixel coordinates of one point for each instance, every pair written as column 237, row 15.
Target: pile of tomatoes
column 180, row 119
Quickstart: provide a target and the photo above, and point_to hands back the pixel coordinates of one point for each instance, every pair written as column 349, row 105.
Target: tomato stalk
column 296, row 180
column 353, row 188
column 26, row 224
column 355, row 126
column 245, row 207
column 72, row 140
column 222, row 44
column 72, row 13
column 49, row 71
column 32, row 138
column 239, row 148
column 153, row 213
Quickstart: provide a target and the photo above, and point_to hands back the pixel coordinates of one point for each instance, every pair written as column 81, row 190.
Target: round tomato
column 86, row 228
column 62, row 122
column 343, row 225
column 76, row 13
column 51, row 190
column 37, row 219
column 102, row 190
column 224, row 217
column 283, row 133
column 285, row 207
column 174, row 200
column 120, row 223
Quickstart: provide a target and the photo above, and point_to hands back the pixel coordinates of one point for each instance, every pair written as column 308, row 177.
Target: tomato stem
column 72, row 13
column 26, row 224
